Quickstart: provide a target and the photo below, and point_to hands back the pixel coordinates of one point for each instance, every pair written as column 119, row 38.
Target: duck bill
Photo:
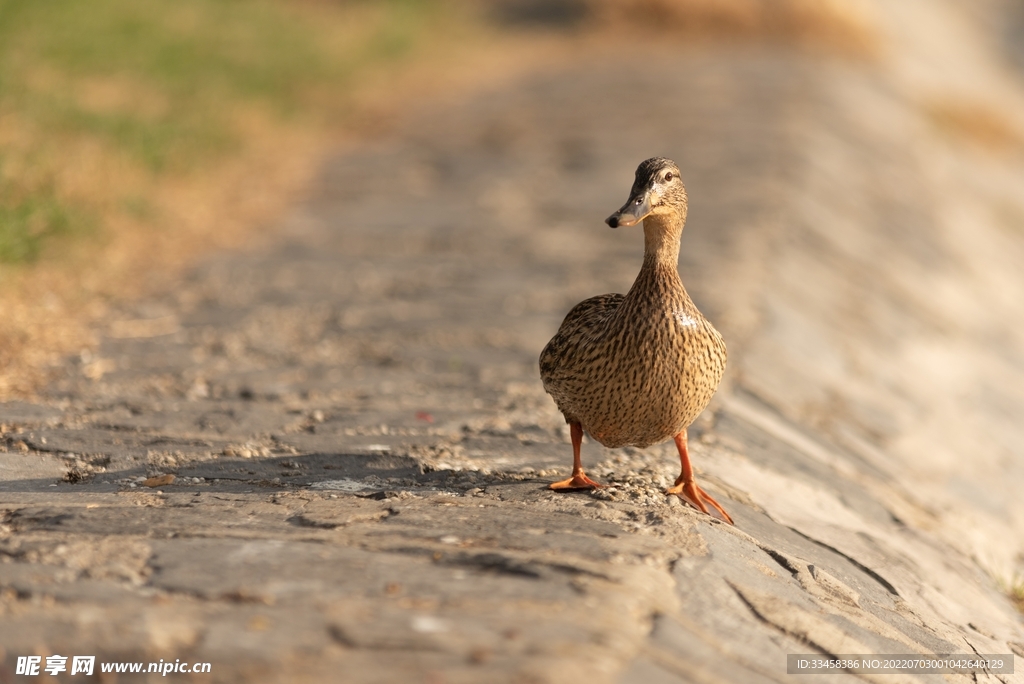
column 632, row 212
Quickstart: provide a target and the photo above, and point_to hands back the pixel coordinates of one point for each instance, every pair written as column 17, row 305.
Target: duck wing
column 570, row 358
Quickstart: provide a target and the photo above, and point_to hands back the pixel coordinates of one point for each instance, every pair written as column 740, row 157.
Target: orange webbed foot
column 577, row 482
column 698, row 498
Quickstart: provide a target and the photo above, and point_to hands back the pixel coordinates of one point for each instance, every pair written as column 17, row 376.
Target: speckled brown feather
column 638, row 369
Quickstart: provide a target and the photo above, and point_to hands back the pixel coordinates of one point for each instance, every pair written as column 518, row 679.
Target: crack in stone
column 860, row 566
column 801, row 636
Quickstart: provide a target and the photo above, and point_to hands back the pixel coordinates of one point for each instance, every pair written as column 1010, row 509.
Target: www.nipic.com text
column 56, row 664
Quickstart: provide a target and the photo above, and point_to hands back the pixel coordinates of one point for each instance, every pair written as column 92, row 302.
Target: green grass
column 1013, row 588
column 1016, row 593
column 26, row 224
column 160, row 84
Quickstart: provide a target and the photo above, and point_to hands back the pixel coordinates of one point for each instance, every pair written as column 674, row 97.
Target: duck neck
column 661, row 242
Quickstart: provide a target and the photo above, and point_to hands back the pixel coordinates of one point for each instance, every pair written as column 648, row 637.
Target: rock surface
column 360, row 443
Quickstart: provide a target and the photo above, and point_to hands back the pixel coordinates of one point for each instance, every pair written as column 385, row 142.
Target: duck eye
column 668, row 176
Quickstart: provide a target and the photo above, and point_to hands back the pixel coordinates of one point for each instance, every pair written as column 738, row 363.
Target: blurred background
column 877, row 296
column 134, row 135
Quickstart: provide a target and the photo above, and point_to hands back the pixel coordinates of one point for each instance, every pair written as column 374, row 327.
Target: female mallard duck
column 638, row 369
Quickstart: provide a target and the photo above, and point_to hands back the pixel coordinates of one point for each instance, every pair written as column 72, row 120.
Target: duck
column 637, row 369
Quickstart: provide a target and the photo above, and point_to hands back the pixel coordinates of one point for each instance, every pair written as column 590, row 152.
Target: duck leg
column 686, row 487
column 578, row 480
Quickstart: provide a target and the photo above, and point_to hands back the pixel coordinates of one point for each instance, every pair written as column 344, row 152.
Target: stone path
column 360, row 443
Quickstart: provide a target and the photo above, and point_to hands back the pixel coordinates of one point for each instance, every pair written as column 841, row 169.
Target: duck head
column 657, row 190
